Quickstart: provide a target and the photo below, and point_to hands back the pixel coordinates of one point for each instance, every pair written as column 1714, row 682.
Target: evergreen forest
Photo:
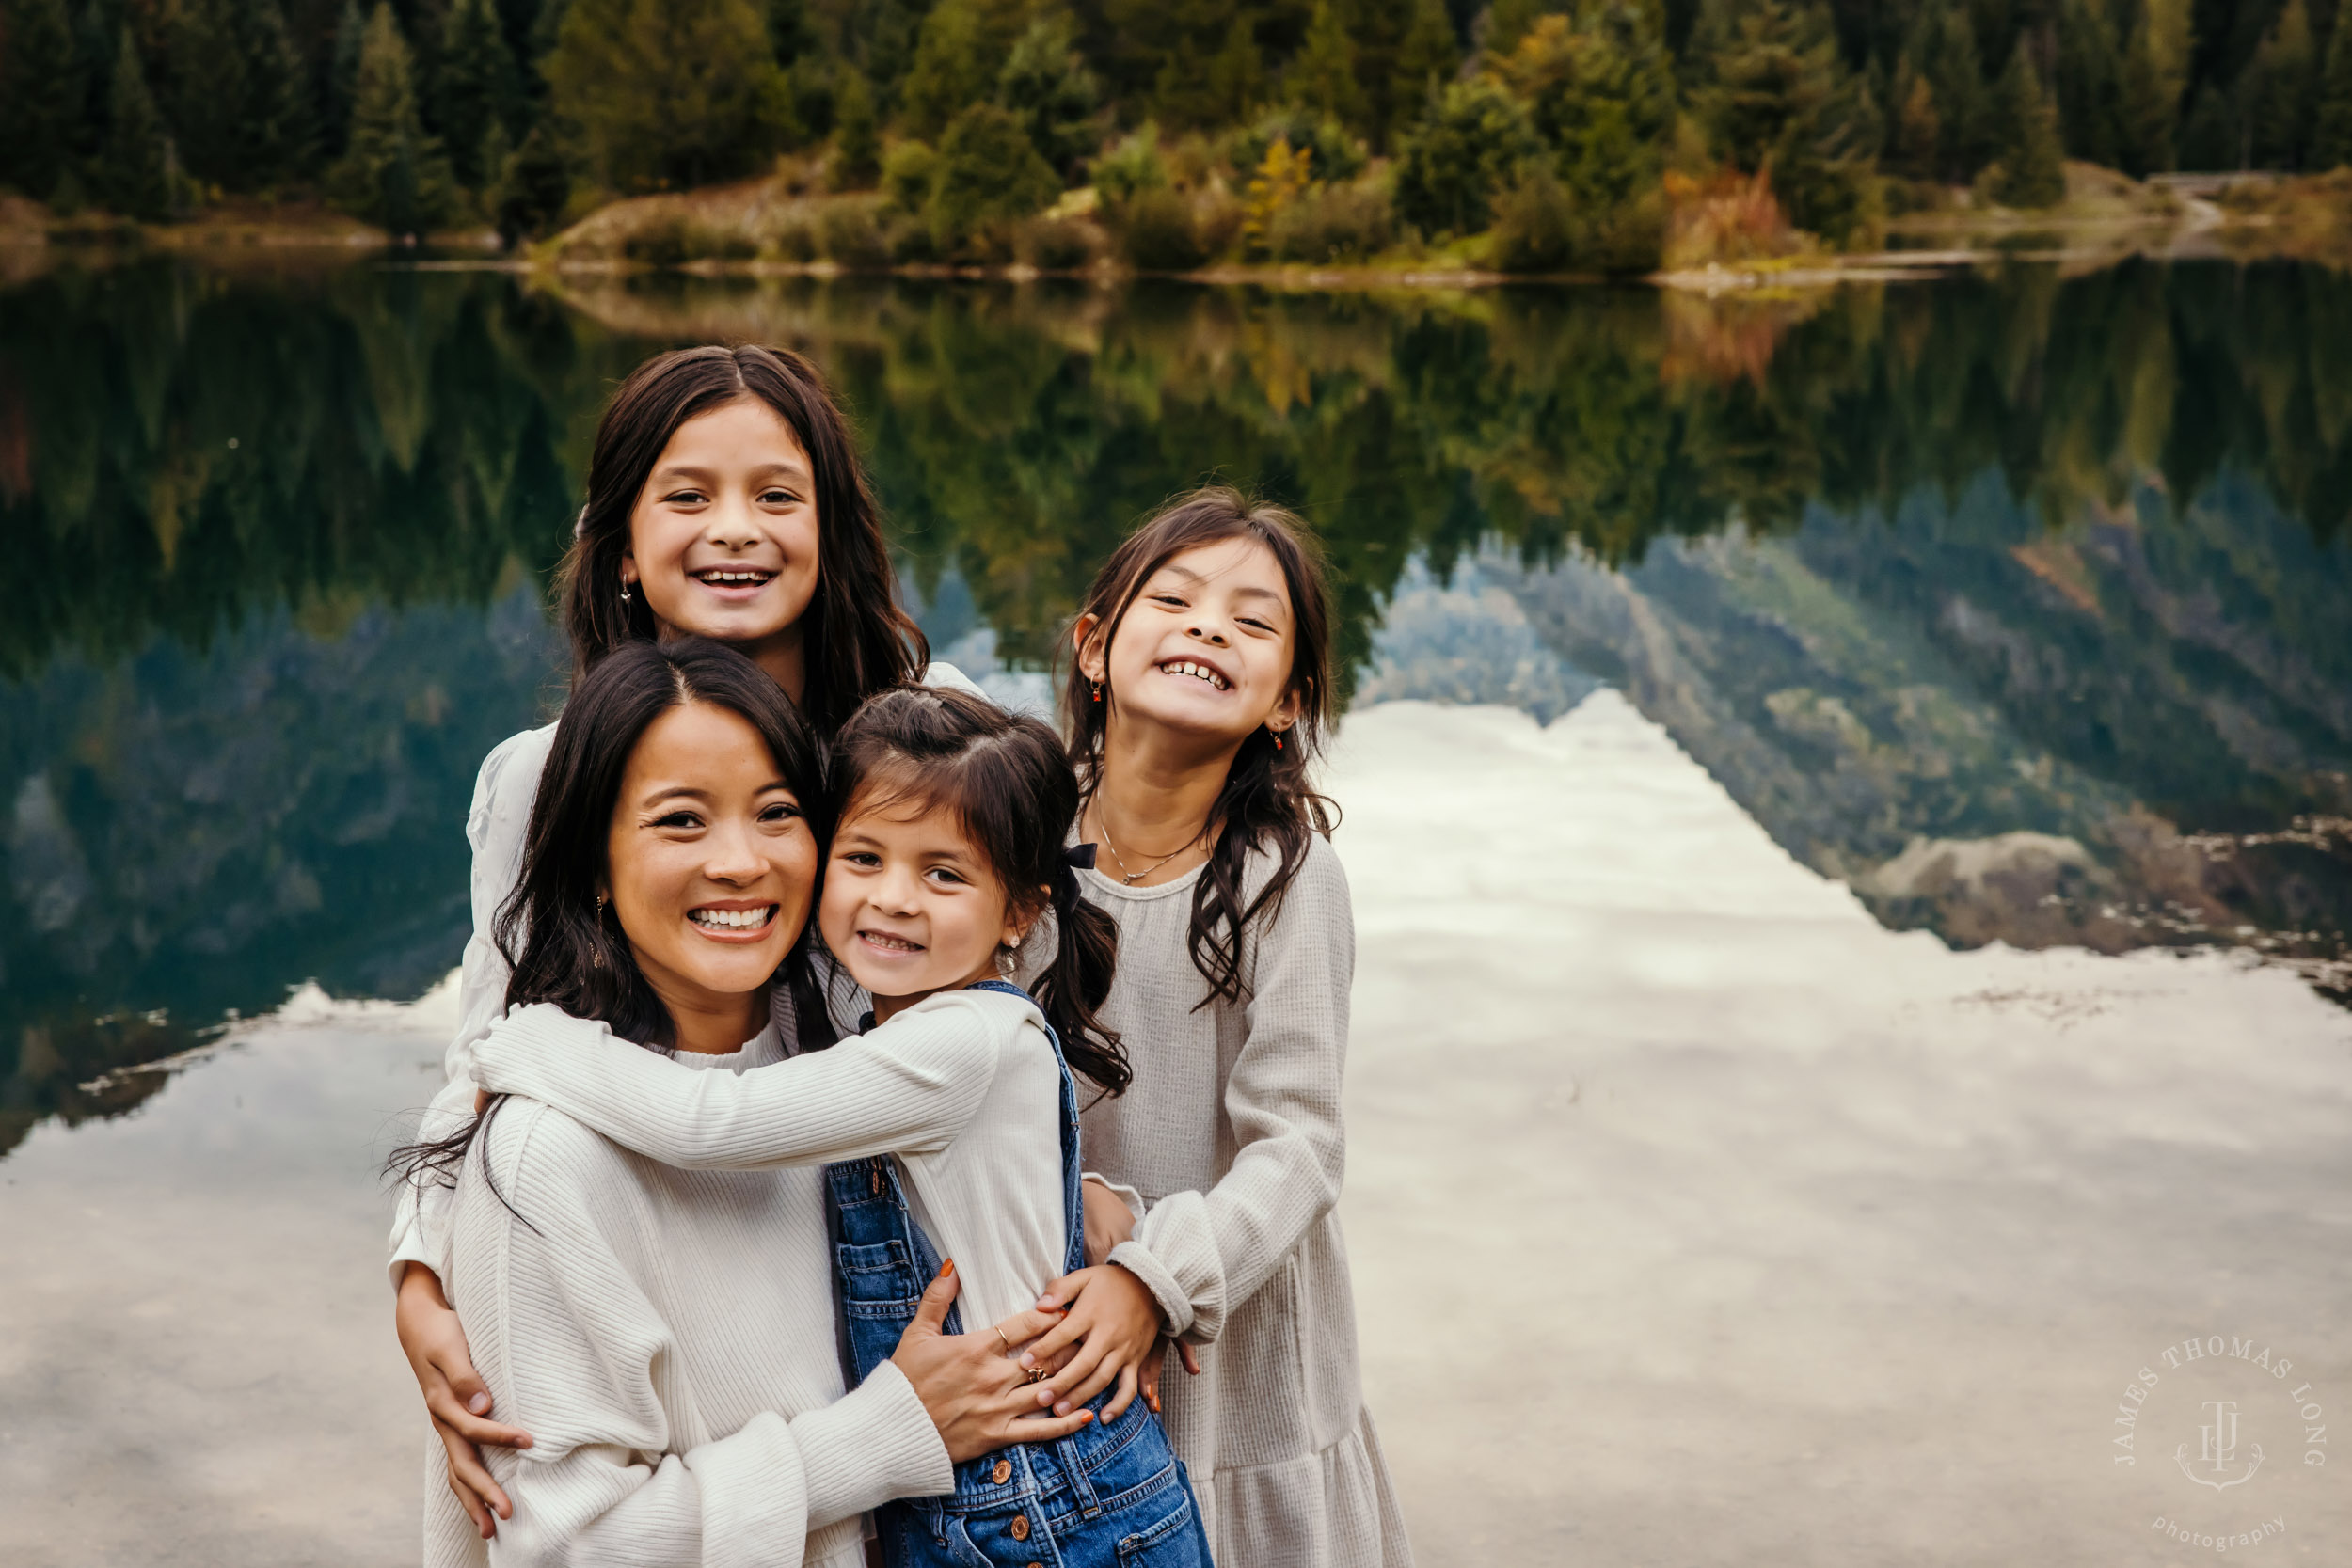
column 1587, row 135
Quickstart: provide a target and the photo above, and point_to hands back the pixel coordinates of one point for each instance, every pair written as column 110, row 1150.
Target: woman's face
column 1205, row 649
column 722, row 539
column 710, row 864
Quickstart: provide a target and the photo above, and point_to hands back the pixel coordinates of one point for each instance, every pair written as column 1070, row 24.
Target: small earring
column 1277, row 740
column 1098, row 690
column 625, row 593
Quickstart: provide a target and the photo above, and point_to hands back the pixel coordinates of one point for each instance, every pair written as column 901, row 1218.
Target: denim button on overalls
column 1112, row 1496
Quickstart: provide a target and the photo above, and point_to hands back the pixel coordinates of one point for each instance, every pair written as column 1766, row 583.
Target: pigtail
column 1075, row 986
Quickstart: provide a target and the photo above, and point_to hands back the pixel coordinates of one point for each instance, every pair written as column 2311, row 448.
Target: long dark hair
column 1267, row 798
column 560, row 941
column 1007, row 782
column 855, row 637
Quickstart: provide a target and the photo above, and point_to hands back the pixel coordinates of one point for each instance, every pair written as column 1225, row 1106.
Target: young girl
column 1196, row 702
column 725, row 500
column 670, row 1334
column 950, row 1123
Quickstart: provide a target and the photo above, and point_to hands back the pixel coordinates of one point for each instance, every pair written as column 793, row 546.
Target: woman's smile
column 733, row 920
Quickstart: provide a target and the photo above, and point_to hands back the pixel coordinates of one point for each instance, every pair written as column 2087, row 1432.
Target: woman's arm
column 1201, row 1255
column 429, row 1333
column 908, row 1087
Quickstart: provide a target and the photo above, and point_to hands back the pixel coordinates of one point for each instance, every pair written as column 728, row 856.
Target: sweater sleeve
column 496, row 823
column 1203, row 1255
column 573, row 1348
column 907, row 1088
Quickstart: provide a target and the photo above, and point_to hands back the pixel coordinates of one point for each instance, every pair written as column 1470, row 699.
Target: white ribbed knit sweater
column 667, row 1337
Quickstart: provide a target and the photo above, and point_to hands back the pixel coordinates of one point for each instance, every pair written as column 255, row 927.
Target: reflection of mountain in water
column 2136, row 731
column 192, row 835
column 274, row 537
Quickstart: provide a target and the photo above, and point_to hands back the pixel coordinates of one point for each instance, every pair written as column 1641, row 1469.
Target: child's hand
column 1114, row 1322
column 1108, row 1221
column 1148, row 1381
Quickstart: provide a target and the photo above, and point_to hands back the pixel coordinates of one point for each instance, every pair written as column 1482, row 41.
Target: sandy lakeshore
column 1695, row 1218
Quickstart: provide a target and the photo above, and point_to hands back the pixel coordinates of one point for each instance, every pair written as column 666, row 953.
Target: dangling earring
column 625, row 593
column 1098, row 690
column 596, row 957
column 1278, row 738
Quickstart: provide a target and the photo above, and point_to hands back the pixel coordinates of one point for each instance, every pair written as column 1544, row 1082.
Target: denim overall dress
column 1111, row 1495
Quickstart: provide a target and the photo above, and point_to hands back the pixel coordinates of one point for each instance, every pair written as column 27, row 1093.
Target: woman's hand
column 979, row 1397
column 1108, row 1221
column 454, row 1395
column 1113, row 1320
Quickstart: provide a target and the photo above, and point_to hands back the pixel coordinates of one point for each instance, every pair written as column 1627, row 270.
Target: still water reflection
column 2022, row 603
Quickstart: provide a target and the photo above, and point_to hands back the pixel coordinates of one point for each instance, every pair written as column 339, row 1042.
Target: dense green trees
column 392, row 172
column 1826, row 99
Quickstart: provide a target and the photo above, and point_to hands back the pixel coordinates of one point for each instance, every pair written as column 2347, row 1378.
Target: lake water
column 1896, row 669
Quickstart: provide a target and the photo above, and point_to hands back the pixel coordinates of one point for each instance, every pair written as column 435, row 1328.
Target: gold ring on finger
column 1038, row 1373
column 1002, row 1340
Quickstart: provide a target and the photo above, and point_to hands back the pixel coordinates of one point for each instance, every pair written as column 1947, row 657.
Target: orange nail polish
column 948, row 1267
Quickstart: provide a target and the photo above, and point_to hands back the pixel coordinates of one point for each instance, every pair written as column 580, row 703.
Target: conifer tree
column 2089, row 79
column 856, row 135
column 341, row 84
column 391, row 173
column 1236, row 74
column 676, row 92
column 533, row 188
column 2331, row 127
column 1050, row 90
column 1915, row 148
column 1425, row 61
column 2155, row 71
column 39, row 94
column 2278, row 89
column 279, row 136
column 1777, row 95
column 1950, row 59
column 207, row 90
column 1322, row 76
column 957, row 58
column 480, row 90
column 2033, row 172
column 134, row 172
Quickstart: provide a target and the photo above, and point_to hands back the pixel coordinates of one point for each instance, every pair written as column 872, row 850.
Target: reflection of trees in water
column 254, row 681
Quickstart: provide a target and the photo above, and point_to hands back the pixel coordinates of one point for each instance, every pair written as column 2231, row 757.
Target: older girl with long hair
column 726, row 500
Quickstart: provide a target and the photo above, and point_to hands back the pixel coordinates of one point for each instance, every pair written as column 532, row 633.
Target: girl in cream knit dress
column 1195, row 701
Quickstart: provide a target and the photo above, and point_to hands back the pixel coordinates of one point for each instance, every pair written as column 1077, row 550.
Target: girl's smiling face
column 722, row 539
column 911, row 905
column 1206, row 647
column 710, row 864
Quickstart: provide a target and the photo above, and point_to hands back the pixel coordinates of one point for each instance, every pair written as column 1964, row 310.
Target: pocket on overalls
column 874, row 1278
column 1175, row 1540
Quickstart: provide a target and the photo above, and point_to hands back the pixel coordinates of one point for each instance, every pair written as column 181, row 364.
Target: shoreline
column 2197, row 231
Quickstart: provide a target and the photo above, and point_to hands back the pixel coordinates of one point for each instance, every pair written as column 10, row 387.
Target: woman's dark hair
column 855, row 637
column 564, row 944
column 1267, row 798
column 1007, row 780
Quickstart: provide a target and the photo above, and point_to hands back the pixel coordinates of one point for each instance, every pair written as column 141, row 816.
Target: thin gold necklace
column 1128, row 877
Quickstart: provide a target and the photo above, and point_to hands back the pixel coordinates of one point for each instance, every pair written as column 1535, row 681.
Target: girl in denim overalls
column 948, row 1122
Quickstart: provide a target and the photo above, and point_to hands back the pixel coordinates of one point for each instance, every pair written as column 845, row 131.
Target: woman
column 725, row 500
column 670, row 1334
